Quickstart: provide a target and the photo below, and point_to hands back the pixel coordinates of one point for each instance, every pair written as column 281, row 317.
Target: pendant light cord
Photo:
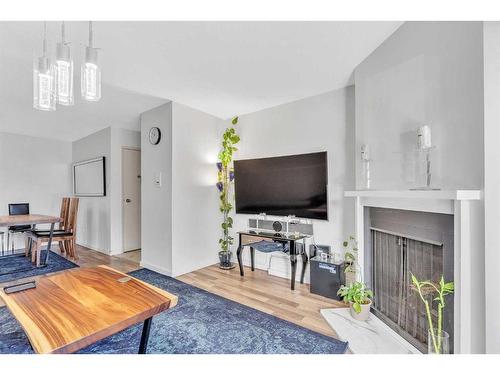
column 44, row 38
column 91, row 35
column 63, row 33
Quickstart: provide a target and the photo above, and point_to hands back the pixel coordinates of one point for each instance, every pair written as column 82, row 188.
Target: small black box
column 326, row 277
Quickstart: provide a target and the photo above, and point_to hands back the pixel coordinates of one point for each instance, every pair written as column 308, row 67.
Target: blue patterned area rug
column 17, row 266
column 202, row 322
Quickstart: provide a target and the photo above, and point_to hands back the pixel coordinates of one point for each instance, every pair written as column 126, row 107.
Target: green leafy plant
column 426, row 290
column 350, row 253
column 357, row 294
column 225, row 179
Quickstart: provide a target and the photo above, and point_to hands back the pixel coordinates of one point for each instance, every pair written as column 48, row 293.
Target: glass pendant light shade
column 91, row 73
column 44, row 81
column 91, row 76
column 64, row 72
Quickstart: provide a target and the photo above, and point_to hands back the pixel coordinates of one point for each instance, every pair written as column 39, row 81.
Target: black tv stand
column 248, row 238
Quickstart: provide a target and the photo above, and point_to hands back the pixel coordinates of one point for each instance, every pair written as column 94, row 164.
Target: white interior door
column 131, row 198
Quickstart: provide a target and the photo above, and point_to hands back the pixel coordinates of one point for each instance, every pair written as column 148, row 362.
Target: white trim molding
column 465, row 206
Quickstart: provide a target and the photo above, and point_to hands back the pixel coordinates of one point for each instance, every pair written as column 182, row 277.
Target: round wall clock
column 154, row 135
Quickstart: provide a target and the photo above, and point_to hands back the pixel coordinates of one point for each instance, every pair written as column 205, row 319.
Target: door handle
column 128, row 200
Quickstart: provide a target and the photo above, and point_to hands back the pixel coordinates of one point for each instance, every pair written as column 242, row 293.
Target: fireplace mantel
column 467, row 208
column 458, row 195
column 439, row 201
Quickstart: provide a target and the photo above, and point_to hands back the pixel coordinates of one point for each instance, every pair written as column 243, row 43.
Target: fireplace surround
column 464, row 209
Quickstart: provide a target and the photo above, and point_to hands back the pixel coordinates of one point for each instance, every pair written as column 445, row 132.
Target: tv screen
column 282, row 186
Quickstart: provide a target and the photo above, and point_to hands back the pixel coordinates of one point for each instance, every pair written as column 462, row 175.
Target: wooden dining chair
column 66, row 234
column 62, row 224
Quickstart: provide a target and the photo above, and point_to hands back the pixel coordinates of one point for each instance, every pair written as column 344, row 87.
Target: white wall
column 36, row 171
column 94, row 222
column 425, row 73
column 179, row 219
column 492, row 182
column 100, row 218
column 156, row 204
column 195, row 204
column 320, row 123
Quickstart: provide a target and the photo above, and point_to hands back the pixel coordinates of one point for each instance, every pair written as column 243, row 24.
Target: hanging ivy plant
column 225, row 179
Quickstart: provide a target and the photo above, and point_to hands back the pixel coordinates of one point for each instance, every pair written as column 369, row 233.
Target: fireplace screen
column 395, row 258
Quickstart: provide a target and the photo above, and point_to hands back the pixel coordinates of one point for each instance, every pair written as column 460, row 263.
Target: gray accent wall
column 426, row 73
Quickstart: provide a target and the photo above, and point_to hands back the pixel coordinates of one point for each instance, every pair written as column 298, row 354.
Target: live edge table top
column 72, row 309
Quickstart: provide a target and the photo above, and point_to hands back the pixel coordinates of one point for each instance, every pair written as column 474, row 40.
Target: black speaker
column 326, row 277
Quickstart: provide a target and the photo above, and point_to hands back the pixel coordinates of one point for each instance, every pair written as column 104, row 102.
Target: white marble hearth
column 370, row 337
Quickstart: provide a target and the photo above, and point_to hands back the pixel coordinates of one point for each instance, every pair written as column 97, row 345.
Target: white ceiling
column 222, row 68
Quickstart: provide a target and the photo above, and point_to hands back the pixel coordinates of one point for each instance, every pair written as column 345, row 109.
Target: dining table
column 33, row 220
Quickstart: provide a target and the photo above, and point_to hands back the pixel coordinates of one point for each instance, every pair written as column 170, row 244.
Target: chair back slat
column 72, row 215
column 64, row 213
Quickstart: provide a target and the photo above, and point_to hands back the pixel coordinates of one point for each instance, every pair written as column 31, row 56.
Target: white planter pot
column 364, row 314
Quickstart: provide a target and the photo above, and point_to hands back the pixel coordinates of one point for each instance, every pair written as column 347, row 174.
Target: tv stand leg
column 240, row 263
column 252, row 258
column 293, row 262
column 304, row 265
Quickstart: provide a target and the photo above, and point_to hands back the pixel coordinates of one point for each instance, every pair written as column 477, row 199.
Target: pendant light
column 64, row 71
column 91, row 73
column 44, row 80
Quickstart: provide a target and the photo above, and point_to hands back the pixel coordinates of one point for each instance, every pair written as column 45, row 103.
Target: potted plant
column 225, row 179
column 438, row 340
column 350, row 259
column 359, row 299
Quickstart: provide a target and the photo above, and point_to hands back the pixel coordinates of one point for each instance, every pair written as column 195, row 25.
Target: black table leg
column 305, row 259
column 293, row 263
column 49, row 244
column 238, row 255
column 252, row 257
column 143, row 347
column 30, row 241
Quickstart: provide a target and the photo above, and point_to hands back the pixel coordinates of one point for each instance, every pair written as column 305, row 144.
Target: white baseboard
column 94, row 248
column 152, row 267
column 192, row 268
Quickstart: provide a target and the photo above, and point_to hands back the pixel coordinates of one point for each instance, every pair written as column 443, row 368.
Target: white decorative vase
column 364, row 314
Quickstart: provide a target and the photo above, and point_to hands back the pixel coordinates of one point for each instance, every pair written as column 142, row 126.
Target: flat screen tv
column 282, row 186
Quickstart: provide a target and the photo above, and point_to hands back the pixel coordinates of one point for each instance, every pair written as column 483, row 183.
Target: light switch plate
column 157, row 180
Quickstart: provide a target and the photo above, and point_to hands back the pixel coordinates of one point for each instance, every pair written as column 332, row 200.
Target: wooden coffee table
column 72, row 309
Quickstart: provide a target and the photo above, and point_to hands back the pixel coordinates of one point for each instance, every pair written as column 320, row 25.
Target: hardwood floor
column 256, row 289
column 266, row 293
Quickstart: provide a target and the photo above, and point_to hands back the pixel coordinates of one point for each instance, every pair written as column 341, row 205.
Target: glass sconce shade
column 64, row 75
column 44, row 84
column 91, row 76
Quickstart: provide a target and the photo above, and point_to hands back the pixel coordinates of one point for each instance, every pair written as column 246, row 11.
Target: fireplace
column 395, row 256
column 453, row 218
column 401, row 243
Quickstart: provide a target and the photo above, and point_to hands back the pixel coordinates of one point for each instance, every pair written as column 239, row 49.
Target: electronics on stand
column 289, row 225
